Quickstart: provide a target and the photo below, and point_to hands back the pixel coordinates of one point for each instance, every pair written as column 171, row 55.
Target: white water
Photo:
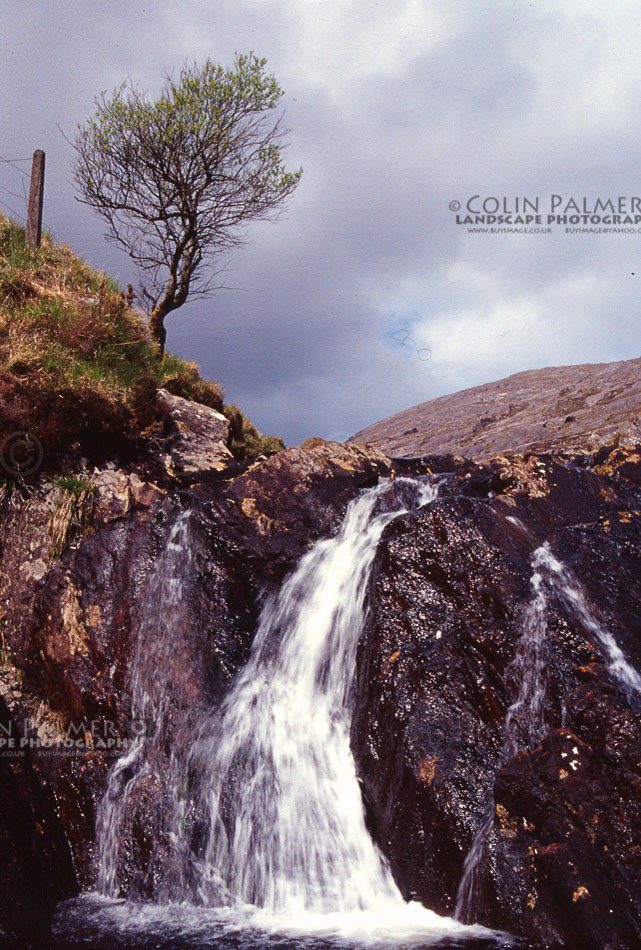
column 285, row 813
column 279, row 835
column 562, row 580
column 524, row 724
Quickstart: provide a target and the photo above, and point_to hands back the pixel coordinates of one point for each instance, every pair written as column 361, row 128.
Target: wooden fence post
column 36, row 198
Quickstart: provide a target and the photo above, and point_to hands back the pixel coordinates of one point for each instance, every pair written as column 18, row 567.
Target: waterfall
column 284, row 818
column 571, row 593
column 159, row 639
column 265, row 814
column 524, row 723
column 265, row 820
column 524, row 719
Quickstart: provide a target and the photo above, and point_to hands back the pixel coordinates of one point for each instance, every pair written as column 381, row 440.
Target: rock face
column 35, row 861
column 79, row 588
column 279, row 507
column 488, row 718
column 486, row 700
column 558, row 408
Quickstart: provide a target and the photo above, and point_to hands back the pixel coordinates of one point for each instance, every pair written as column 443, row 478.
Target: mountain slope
column 564, row 407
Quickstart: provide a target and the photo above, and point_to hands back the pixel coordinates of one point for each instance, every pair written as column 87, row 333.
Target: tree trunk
column 157, row 330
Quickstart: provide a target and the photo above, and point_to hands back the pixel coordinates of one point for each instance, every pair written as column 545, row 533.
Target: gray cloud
column 394, row 111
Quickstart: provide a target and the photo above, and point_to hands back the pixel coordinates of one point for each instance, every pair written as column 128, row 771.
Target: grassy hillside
column 76, row 364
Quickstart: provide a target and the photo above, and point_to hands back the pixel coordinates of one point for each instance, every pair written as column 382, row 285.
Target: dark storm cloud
column 394, row 112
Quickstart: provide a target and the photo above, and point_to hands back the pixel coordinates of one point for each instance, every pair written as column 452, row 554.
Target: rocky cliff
column 79, row 588
column 578, row 408
column 454, row 754
column 489, row 715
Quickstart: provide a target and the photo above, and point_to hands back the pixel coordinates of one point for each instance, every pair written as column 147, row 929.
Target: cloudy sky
column 368, row 297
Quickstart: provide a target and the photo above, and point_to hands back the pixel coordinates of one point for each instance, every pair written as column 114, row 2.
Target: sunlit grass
column 76, row 361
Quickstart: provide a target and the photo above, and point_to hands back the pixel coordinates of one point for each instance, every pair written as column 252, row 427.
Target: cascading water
column 158, row 640
column 284, row 814
column 524, row 723
column 569, row 590
column 266, row 818
column 276, row 830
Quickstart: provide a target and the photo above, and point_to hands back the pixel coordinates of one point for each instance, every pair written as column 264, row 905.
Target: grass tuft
column 73, row 484
column 246, row 441
column 77, row 367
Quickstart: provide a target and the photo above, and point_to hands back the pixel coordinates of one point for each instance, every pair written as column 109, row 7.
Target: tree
column 177, row 178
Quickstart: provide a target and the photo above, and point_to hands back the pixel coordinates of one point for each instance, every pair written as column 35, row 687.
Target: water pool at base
column 105, row 924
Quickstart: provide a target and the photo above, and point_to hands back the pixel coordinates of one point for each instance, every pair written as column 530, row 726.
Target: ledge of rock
column 196, row 435
column 282, row 504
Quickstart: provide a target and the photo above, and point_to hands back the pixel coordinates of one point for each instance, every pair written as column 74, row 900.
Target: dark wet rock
column 149, row 869
column 437, row 675
column 71, row 619
column 36, row 869
column 280, row 506
column 566, row 845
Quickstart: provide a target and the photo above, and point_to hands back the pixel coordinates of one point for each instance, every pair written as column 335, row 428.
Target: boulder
column 196, row 436
column 282, row 504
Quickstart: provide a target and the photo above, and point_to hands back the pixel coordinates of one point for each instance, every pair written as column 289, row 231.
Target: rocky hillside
column 78, row 374
column 496, row 727
column 443, row 751
column 575, row 408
